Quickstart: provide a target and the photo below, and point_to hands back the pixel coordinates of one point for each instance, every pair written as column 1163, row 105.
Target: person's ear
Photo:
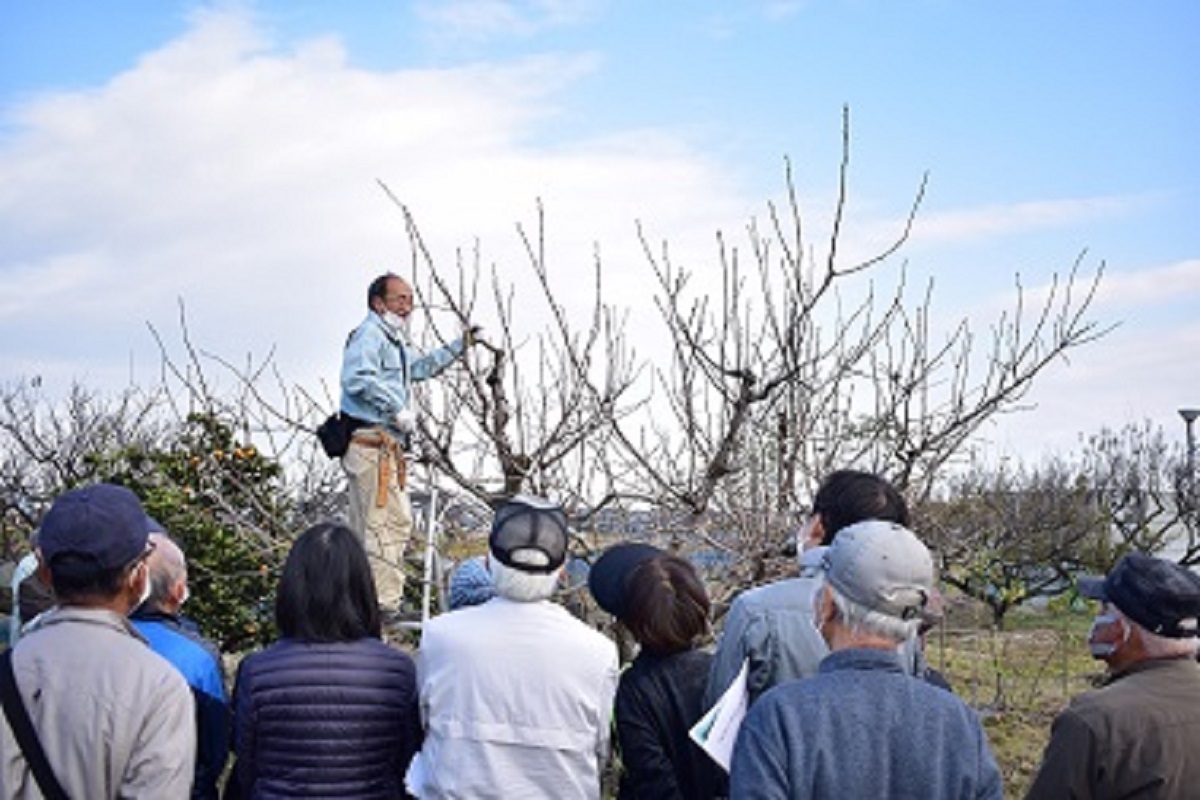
column 138, row 576
column 43, row 571
column 816, row 531
column 824, row 608
column 179, row 591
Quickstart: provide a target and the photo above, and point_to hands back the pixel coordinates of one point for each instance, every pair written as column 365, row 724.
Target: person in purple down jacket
column 329, row 710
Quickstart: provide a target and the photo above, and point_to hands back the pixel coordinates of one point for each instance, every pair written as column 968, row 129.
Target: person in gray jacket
column 862, row 727
column 771, row 625
column 114, row 718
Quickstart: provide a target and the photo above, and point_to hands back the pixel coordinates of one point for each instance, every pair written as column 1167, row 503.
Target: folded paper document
column 717, row 730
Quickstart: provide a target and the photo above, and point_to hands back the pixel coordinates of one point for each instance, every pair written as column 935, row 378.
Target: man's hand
column 473, row 335
column 405, row 420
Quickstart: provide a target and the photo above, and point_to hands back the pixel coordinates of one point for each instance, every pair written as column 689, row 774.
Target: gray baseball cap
column 881, row 566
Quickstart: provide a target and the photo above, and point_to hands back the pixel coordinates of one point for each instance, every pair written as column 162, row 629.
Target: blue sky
column 225, row 154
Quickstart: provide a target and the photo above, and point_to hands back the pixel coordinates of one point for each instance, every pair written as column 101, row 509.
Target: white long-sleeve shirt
column 517, row 701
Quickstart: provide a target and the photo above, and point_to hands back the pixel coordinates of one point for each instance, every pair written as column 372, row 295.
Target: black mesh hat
column 529, row 534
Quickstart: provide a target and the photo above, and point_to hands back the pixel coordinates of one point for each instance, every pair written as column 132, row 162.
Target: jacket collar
column 1183, row 662
column 103, row 617
column 387, row 330
column 863, row 659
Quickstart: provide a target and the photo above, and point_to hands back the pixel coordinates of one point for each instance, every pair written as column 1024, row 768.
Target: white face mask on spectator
column 1106, row 647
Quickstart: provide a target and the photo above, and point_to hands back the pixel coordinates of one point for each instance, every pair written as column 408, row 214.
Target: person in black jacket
column 329, row 710
column 662, row 602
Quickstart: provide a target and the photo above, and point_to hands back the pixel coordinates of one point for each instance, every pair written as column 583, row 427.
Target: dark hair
column 849, row 496
column 378, row 287
column 667, row 605
column 76, row 577
column 326, row 592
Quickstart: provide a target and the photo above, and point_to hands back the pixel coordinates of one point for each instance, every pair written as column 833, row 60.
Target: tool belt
column 390, row 453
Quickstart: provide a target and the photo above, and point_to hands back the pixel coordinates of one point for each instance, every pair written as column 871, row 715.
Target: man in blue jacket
column 379, row 366
column 770, row 626
column 863, row 727
column 178, row 640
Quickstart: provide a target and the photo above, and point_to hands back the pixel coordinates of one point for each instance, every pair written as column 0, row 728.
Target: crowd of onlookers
column 112, row 693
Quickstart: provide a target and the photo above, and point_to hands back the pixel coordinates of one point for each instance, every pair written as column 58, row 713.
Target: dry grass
column 1017, row 679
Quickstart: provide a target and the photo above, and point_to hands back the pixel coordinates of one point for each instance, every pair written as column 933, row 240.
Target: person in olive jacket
column 1135, row 735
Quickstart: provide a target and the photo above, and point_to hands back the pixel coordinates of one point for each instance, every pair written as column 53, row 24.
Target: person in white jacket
column 516, row 694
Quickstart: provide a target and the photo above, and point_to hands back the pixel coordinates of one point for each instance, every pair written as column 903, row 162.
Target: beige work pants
column 380, row 512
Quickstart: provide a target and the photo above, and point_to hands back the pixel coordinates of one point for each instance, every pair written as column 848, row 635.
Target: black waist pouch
column 335, row 432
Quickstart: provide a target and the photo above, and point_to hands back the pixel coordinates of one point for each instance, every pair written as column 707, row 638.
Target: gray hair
column 519, row 586
column 861, row 619
column 167, row 564
column 1157, row 646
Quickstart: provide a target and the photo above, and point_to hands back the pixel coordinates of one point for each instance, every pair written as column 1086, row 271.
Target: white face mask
column 187, row 594
column 1105, row 649
column 395, row 321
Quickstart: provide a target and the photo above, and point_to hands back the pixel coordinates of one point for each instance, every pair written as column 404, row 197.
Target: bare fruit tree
column 1145, row 488
column 795, row 360
column 1005, row 534
column 47, row 447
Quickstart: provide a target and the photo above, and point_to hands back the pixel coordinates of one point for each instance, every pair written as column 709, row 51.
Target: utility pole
column 1189, row 416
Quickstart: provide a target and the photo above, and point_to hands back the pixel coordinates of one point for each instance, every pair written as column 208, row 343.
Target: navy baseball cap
column 1159, row 595
column 608, row 576
column 101, row 525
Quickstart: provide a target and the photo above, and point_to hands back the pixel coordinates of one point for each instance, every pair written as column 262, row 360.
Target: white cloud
column 30, row 289
column 989, row 222
column 1153, row 294
column 1176, row 284
column 776, row 10
column 1130, row 376
column 1143, row 368
column 239, row 175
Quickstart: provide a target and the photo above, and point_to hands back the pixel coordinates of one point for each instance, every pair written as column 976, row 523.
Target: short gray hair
column 859, row 618
column 519, row 586
column 1157, row 646
column 167, row 564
